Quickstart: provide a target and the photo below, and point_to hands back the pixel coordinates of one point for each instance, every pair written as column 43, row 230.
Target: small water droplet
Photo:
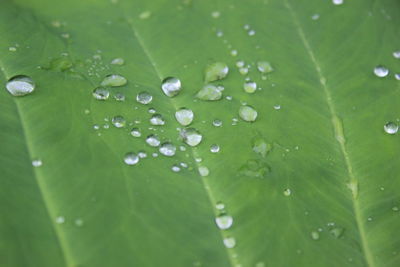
column 260, row 146
column 337, row 2
column 397, row 76
column 144, row 98
column 229, row 242
column 250, row 87
column 118, row 121
column 277, row 107
column 142, row 154
column 369, row 219
column 391, row 128
column 176, row 168
column 153, row 140
column 157, row 119
column 214, row 148
column 396, row 54
column 191, row 136
column 101, row 93
column 118, row 61
column 234, row 52
column 244, row 70
column 20, row 85
column 395, row 208
column 135, row 132
column 145, row 15
column 336, row 232
column 203, row 171
column 12, row 49
column 381, row 71
column 131, row 158
column 264, row 67
column 220, row 206
column 60, row 219
column 248, row 113
column 119, row 97
column 287, row 192
column 215, row 14
column 217, row 123
column 216, row 71
column 171, row 86
column 210, row 92
column 78, row 222
column 184, row 116
column 37, row 163
column 251, row 32
column 114, row 80
column 167, row 149
column 314, row 235
column 315, row 17
column 224, row 221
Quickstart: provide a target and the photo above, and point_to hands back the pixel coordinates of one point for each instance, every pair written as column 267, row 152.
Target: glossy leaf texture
column 313, row 181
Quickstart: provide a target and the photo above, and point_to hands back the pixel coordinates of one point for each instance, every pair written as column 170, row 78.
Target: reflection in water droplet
column 144, row 98
column 214, row 148
column 381, row 71
column 20, row 85
column 264, row 67
column 114, row 80
column 184, row 116
column 191, row 136
column 131, row 158
column 135, row 132
column 118, row 61
column 171, row 86
column 391, row 128
column 203, row 171
column 248, row 113
column 167, row 149
column 210, row 92
column 118, row 121
column 153, row 140
column 250, row 87
column 157, row 119
column 101, row 93
column 216, row 71
column 229, row 242
column 37, row 163
column 224, row 221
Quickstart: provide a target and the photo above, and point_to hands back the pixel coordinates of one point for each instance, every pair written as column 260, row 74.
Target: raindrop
column 114, row 80
column 78, row 222
column 215, row 14
column 234, row 53
column 119, row 97
column 37, row 163
column 244, row 70
column 240, row 64
column 397, row 76
column 101, row 93
column 12, row 49
column 167, row 149
column 118, row 61
column 224, row 221
column 135, row 132
column 336, row 232
column 264, row 67
column 60, row 219
column 381, row 71
column 20, row 85
column 216, row 71
column 176, row 168
column 157, row 119
column 171, row 86
column 184, row 116
column 315, row 17
column 217, row 123
column 277, row 107
column 191, row 136
column 396, row 54
column 153, row 140
column 251, row 32
column 287, row 192
column 229, row 242
column 131, row 158
column 250, row 87
column 144, row 98
column 210, row 92
column 337, row 2
column 220, row 205
column 152, row 110
column 145, row 15
column 391, row 128
column 142, row 154
column 203, row 171
column 118, row 121
column 247, row 113
column 314, row 235
column 214, row 148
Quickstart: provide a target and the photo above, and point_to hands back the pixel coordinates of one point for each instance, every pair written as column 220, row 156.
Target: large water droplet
column 131, row 158
column 20, row 85
column 209, row 92
column 381, row 71
column 191, row 136
column 171, row 86
column 114, row 80
column 264, row 67
column 229, row 242
column 167, row 149
column 153, row 140
column 248, row 113
column 391, row 128
column 118, row 121
column 224, row 221
column 184, row 116
column 216, row 71
column 101, row 93
column 144, row 98
column 250, row 87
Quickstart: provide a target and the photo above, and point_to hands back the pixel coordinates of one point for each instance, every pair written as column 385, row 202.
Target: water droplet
column 78, row 222
column 391, row 128
column 381, row 71
column 60, row 219
column 20, row 85
column 395, row 208
column 250, row 87
column 171, row 86
column 396, row 54
column 214, row 148
column 260, row 146
column 144, row 98
column 287, row 192
column 210, row 92
column 264, row 67
column 176, row 168
column 369, row 219
column 203, row 171
column 224, row 221
column 234, row 52
column 215, row 14
column 153, row 140
column 248, row 113
column 336, row 232
column 37, row 163
column 131, row 158
column 119, row 97
column 152, row 110
column 315, row 235
column 184, row 116
column 251, row 32
column 114, row 80
column 397, row 76
column 12, row 49
column 142, row 154
column 337, row 2
column 191, row 136
column 220, row 205
column 229, row 242
column 145, row 15
column 118, row 121
column 157, row 119
column 254, row 168
column 135, row 132
column 101, row 93
column 217, row 123
column 216, row 71
column 118, row 61
column 315, row 17
column 244, row 70
column 277, row 107
column 167, row 149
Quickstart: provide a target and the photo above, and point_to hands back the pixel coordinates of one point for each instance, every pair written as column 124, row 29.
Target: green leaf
column 321, row 189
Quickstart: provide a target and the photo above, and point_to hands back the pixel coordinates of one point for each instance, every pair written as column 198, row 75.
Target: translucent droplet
column 220, row 205
column 315, row 17
column 191, row 136
column 224, row 221
column 395, row 208
column 101, row 93
column 244, row 70
column 251, row 32
column 118, row 121
column 144, row 98
column 142, row 154
column 287, row 192
column 131, row 158
column 314, row 235
column 248, row 113
column 119, row 97
column 171, row 86
column 381, row 71
column 176, row 168
column 12, row 49
column 337, row 2
column 391, row 128
column 264, row 67
column 217, row 123
column 229, row 242
column 118, row 61
column 114, row 80
column 396, row 54
column 157, row 119
column 184, row 116
column 167, row 149
column 234, row 52
column 240, row 63
column 336, row 232
column 78, row 222
column 135, row 132
column 397, row 76
column 153, row 140
column 260, row 146
column 60, row 219
column 152, row 110
column 250, row 87
column 209, row 92
column 214, row 148
column 37, row 163
column 216, row 71
column 203, row 171
column 145, row 15
column 215, row 14
column 96, row 127
column 277, row 107
column 20, row 85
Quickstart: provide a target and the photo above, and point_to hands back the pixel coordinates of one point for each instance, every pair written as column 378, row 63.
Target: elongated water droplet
column 391, row 128
column 216, row 71
column 203, row 171
column 131, row 158
column 184, row 116
column 250, row 87
column 209, row 92
column 248, row 113
column 118, row 121
column 167, row 149
column 229, row 242
column 214, row 148
column 20, row 85
column 381, row 71
column 337, row 2
column 191, row 136
column 118, row 61
column 135, row 132
column 264, row 67
column 37, row 163
column 171, row 86
column 153, row 140
column 157, row 119
column 101, row 93
column 144, row 98
column 114, row 80
column 224, row 221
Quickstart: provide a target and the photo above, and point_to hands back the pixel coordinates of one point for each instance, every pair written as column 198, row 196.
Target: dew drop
column 381, row 71
column 391, row 128
column 210, row 92
column 251, row 32
column 248, row 113
column 145, row 15
column 171, row 86
column 135, row 132
column 336, row 232
column 250, row 87
column 220, row 205
column 215, row 14
column 244, row 70
column 176, row 168
column 264, row 67
column 157, row 119
column 184, row 116
column 396, row 54
column 224, row 221
column 214, row 148
column 216, row 71
column 119, row 97
column 337, row 2
column 287, row 192
column 114, row 80
column 153, row 140
column 37, row 163
column 60, row 219
column 314, row 235
column 191, row 136
column 118, row 121
column 217, row 123
column 203, row 171
column 131, row 158
column 397, row 76
column 167, row 149
column 78, row 222
column 101, row 93
column 118, row 61
column 229, row 242
column 20, row 85
column 144, row 98
column 142, row 154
